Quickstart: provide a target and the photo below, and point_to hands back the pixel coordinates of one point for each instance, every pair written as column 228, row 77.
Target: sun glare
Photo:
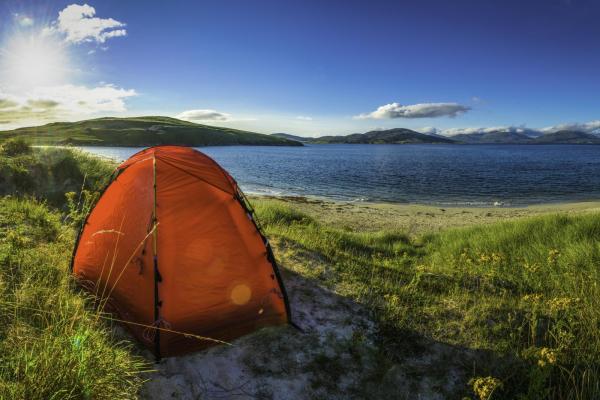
column 29, row 61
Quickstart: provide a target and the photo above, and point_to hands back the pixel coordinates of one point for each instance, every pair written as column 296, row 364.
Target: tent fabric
column 214, row 274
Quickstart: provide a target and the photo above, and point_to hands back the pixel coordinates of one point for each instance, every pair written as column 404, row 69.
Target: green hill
column 141, row 131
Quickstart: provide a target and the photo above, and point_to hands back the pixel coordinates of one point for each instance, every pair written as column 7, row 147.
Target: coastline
column 416, row 219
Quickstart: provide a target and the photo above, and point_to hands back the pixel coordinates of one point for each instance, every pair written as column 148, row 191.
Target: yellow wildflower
column 532, row 268
column 532, row 298
column 562, row 303
column 484, row 258
column 496, row 257
column 485, row 387
column 553, row 255
column 392, row 299
column 547, row 357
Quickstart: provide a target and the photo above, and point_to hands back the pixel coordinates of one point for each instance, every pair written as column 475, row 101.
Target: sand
column 416, row 219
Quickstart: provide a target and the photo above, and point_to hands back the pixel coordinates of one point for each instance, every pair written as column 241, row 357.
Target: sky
column 305, row 67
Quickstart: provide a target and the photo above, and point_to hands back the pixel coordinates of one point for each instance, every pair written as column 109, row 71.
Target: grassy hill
column 140, row 131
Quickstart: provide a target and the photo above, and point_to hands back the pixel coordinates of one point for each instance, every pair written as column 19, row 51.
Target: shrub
column 15, row 147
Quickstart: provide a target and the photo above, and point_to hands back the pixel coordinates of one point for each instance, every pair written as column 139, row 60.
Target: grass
column 53, row 342
column 518, row 301
column 523, row 294
column 53, row 345
column 49, row 173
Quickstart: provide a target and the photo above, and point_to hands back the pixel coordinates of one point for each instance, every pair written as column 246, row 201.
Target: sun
column 33, row 60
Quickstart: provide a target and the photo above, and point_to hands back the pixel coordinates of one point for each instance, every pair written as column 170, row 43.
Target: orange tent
column 173, row 247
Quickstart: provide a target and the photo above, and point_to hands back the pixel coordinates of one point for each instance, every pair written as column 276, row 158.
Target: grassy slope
column 140, row 131
column 524, row 295
column 518, row 299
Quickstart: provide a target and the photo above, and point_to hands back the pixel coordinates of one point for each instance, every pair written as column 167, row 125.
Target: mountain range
column 404, row 136
column 156, row 130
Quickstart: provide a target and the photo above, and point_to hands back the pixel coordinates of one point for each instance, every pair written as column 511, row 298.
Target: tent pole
column 156, row 273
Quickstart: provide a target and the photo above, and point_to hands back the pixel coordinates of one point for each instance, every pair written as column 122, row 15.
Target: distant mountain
column 568, row 137
column 406, row 136
column 494, row 137
column 142, row 132
column 389, row 136
column 287, row 136
column 508, row 137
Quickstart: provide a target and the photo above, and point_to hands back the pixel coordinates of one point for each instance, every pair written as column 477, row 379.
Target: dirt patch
column 329, row 359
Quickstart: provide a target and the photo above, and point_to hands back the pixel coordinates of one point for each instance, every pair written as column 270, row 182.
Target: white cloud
column 79, row 24
column 428, row 130
column 85, row 100
column 304, row 118
column 422, row 110
column 588, row 127
column 23, row 20
column 37, row 80
column 203, row 115
column 472, row 130
column 64, row 102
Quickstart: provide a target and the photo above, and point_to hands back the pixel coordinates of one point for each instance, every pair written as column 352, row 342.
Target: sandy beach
column 416, row 219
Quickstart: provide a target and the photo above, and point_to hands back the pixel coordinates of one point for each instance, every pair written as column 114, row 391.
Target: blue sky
column 310, row 67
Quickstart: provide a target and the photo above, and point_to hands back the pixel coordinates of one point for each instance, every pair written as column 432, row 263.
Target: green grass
column 524, row 295
column 140, row 131
column 49, row 173
column 53, row 342
column 53, row 345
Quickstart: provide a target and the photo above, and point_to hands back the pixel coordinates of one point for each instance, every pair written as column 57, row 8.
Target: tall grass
column 53, row 345
column 524, row 294
column 529, row 288
column 49, row 173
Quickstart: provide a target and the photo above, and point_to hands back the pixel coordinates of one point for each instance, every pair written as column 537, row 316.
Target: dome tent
column 173, row 243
